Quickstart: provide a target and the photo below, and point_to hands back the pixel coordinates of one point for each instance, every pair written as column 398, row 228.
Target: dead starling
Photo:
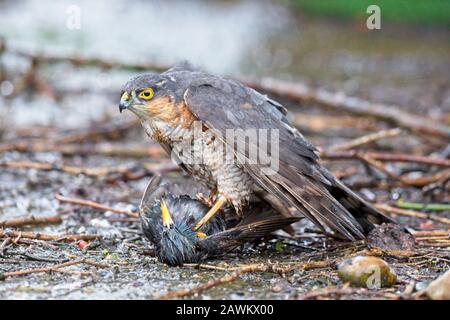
column 168, row 221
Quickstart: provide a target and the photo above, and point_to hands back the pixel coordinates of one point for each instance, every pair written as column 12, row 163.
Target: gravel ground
column 408, row 68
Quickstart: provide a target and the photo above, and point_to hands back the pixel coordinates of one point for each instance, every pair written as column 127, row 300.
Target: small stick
column 88, row 134
column 383, row 134
column 343, row 103
column 439, row 245
column 48, row 237
column 104, row 149
column 210, row 284
column 85, row 61
column 296, row 91
column 438, row 177
column 385, row 157
column 237, row 272
column 446, row 237
column 95, row 205
column 431, row 233
column 94, row 172
column 97, row 264
column 410, row 213
column 323, row 292
column 5, row 244
column 45, row 269
column 380, row 166
column 80, row 273
column 123, row 172
column 214, row 282
column 32, row 220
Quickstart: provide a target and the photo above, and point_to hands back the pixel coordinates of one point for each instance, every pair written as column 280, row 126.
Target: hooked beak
column 125, row 101
column 166, row 218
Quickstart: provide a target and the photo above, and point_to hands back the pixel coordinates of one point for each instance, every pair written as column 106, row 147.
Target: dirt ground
column 64, row 136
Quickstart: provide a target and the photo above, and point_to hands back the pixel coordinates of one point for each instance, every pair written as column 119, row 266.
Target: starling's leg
column 217, row 206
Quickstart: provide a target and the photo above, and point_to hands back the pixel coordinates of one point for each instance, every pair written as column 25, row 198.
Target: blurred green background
column 432, row 12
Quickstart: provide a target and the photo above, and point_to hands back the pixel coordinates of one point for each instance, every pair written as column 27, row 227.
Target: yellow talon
column 200, row 234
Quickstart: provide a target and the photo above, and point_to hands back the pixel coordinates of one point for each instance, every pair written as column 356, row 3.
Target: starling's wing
column 155, row 190
column 159, row 186
column 222, row 242
column 300, row 180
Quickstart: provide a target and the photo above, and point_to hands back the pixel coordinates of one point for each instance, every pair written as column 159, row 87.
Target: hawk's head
column 149, row 96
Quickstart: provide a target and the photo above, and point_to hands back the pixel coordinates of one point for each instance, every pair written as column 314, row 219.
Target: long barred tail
column 364, row 213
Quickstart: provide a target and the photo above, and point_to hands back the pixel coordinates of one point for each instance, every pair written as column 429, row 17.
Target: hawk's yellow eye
column 146, row 94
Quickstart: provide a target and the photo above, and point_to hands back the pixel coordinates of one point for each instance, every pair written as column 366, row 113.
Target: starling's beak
column 166, row 218
column 125, row 101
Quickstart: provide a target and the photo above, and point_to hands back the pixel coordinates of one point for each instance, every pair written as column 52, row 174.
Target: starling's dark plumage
column 179, row 244
column 169, row 105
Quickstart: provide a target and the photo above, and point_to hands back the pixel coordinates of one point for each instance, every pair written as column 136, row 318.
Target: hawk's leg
column 207, row 200
column 215, row 208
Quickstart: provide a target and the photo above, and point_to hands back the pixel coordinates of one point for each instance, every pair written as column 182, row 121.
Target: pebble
column 277, row 288
column 439, row 289
column 100, row 223
column 368, row 272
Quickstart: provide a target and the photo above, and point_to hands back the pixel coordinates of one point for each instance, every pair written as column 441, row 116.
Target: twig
column 417, row 182
column 97, row 264
column 431, row 233
column 383, row 134
column 94, row 172
column 215, row 282
column 79, row 273
column 4, row 246
column 95, row 205
column 380, row 166
column 386, row 157
column 114, row 173
column 438, row 177
column 237, row 272
column 45, row 269
column 39, row 270
column 409, row 213
column 17, row 222
column 48, row 237
column 111, row 131
column 330, row 291
column 86, row 61
column 439, row 245
column 295, row 91
column 104, row 149
column 341, row 102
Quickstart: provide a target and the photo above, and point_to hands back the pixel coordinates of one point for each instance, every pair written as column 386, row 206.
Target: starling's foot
column 208, row 201
column 215, row 208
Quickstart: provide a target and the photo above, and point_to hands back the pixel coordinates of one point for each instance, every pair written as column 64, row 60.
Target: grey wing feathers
column 300, row 180
column 229, row 239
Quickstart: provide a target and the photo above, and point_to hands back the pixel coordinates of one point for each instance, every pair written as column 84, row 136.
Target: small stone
column 277, row 288
column 368, row 272
column 82, row 244
column 100, row 223
column 439, row 289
